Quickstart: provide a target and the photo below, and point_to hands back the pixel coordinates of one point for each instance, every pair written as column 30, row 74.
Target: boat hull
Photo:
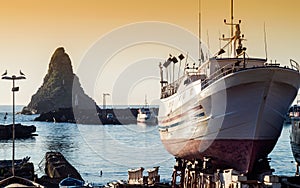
column 234, row 121
column 225, row 153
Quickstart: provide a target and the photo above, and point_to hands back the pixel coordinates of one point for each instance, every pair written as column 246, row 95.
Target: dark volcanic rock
column 21, row 131
column 60, row 90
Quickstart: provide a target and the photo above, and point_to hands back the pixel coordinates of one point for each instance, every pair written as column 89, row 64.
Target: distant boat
column 230, row 109
column 71, row 183
column 145, row 115
column 15, row 181
column 294, row 120
column 293, row 114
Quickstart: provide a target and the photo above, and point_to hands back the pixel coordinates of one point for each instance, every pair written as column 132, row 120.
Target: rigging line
column 200, row 44
column 219, row 40
column 200, row 55
column 208, row 45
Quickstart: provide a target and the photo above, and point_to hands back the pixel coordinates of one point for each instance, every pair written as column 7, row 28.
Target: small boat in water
column 145, row 115
column 71, row 183
column 229, row 108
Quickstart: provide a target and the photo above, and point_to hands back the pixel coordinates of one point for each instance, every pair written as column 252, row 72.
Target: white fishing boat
column 145, row 115
column 230, row 109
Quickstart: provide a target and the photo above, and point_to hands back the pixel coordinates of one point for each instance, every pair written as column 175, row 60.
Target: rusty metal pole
column 14, row 89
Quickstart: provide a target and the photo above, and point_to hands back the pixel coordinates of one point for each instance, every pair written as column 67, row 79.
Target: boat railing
column 171, row 88
column 294, row 65
column 219, row 73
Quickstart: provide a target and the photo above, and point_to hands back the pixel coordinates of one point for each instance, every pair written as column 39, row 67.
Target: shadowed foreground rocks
column 21, row 131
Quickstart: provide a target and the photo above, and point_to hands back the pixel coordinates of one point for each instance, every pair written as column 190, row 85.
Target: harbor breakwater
column 114, row 116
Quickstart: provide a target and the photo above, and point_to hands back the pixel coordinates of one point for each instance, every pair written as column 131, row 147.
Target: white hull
column 236, row 120
column 15, row 181
column 146, row 117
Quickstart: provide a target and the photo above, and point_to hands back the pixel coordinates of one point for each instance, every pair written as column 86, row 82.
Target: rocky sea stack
column 61, row 88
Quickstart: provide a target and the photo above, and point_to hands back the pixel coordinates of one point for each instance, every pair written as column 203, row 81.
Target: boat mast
column 265, row 40
column 200, row 54
column 199, row 36
column 231, row 28
column 146, row 103
column 231, row 14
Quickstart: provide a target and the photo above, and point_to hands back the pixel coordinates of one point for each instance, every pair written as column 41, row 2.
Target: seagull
column 22, row 73
column 5, row 73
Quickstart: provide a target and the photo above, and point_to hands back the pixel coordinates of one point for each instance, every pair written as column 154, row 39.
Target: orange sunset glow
column 31, row 30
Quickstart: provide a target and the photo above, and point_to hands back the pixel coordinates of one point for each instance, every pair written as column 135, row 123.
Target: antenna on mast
column 231, row 24
column 235, row 40
column 265, row 37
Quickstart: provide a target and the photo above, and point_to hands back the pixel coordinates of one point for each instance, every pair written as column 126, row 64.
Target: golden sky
column 30, row 31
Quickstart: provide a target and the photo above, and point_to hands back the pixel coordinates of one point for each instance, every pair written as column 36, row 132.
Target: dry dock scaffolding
column 201, row 174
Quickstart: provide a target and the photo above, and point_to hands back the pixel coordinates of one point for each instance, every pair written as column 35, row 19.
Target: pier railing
column 172, row 88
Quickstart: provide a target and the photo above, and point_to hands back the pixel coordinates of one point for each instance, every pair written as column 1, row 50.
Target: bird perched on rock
column 22, row 73
column 5, row 73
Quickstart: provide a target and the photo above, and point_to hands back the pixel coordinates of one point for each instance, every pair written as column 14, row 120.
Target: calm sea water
column 111, row 148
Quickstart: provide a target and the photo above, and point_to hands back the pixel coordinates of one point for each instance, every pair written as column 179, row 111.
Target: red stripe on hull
column 237, row 154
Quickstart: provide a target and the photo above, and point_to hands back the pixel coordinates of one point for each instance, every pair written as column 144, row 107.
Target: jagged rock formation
column 60, row 89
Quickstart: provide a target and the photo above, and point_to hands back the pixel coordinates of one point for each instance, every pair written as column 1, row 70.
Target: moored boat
column 71, row 183
column 230, row 109
column 145, row 115
column 15, row 181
